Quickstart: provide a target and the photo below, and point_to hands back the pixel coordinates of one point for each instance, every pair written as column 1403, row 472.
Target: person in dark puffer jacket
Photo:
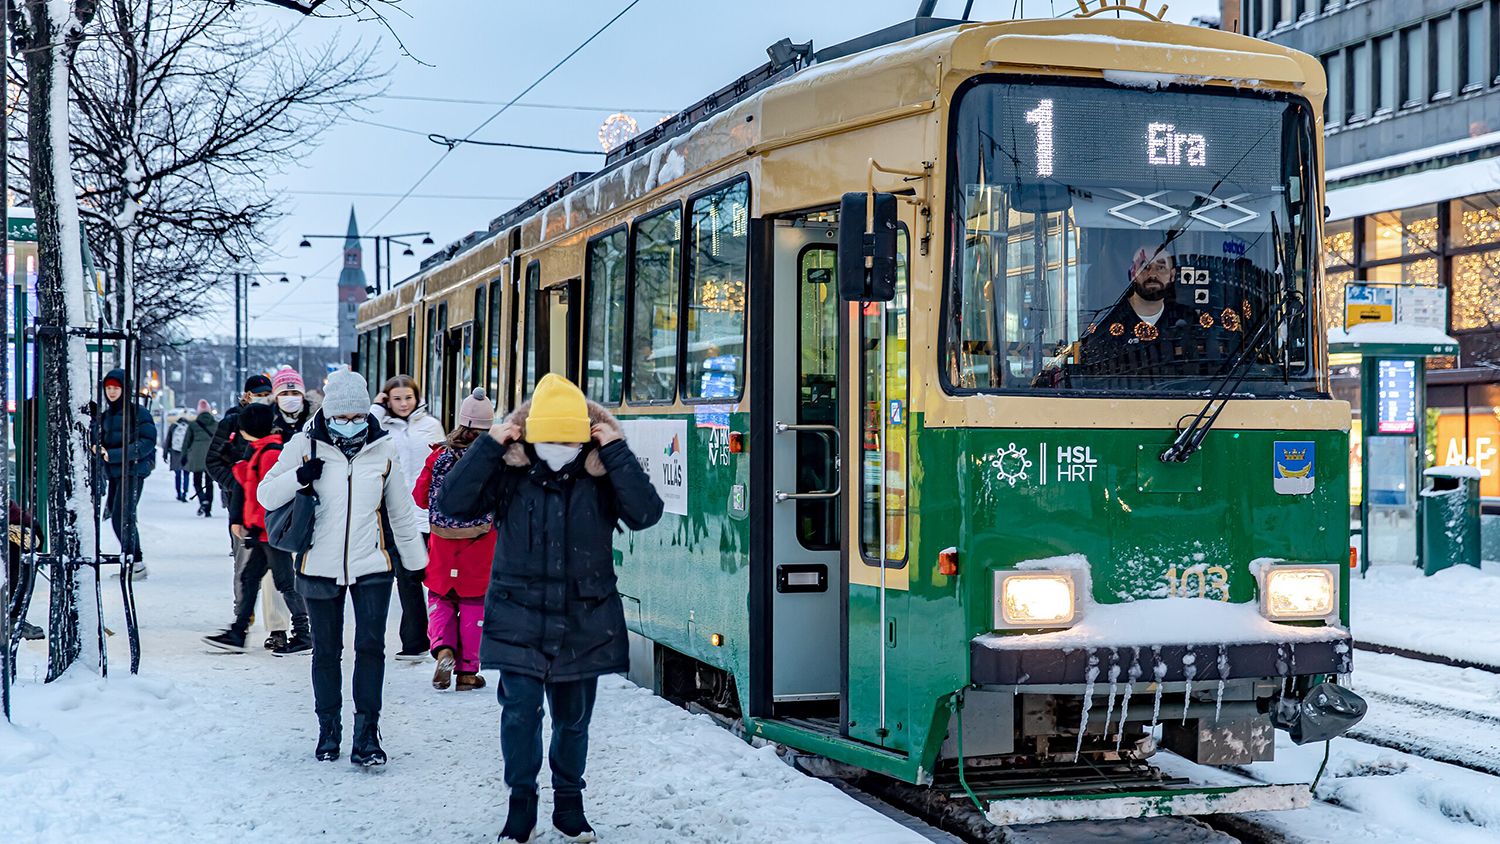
column 558, row 477
column 121, row 497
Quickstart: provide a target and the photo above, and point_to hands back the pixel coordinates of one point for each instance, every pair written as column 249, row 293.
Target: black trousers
column 413, row 606
column 121, row 504
column 372, row 601
column 571, row 706
column 203, row 488
column 260, row 557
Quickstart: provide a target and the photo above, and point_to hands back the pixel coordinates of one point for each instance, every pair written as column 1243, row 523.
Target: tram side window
column 528, row 296
column 885, row 416
column 479, row 359
column 604, row 358
column 381, row 355
column 493, row 385
column 653, row 336
column 717, row 273
column 437, row 325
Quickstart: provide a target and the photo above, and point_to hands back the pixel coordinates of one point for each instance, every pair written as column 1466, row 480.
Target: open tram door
column 553, row 322
column 835, row 630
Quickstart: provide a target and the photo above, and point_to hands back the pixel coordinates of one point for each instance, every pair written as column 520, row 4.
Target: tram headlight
column 1299, row 593
column 1032, row 599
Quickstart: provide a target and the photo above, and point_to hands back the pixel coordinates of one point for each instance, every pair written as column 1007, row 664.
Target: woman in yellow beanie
column 558, row 477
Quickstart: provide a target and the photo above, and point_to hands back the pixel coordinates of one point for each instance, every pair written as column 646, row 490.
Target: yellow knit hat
column 558, row 414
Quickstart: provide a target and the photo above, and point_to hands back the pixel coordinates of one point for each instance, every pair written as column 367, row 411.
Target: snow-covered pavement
column 209, row 747
column 1453, row 613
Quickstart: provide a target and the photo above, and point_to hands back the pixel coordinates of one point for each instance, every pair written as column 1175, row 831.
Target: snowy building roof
column 1416, row 189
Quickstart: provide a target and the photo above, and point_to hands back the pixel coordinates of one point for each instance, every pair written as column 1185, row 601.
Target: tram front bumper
column 1028, row 665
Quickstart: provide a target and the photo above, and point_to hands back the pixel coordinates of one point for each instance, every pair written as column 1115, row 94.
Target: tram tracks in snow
column 1463, row 729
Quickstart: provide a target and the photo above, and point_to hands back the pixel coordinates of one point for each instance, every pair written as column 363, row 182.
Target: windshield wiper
column 1288, row 305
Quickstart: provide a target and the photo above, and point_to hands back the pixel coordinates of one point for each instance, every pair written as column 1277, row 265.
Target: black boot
column 366, row 752
column 567, row 817
column 330, row 730
column 520, row 821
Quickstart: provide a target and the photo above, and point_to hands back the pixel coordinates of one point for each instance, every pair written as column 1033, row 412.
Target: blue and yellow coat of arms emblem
column 1294, row 471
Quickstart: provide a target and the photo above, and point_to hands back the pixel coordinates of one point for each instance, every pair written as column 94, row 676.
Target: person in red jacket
column 458, row 557
column 256, row 427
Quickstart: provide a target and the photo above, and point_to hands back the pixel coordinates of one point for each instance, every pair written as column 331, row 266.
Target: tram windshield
column 1123, row 240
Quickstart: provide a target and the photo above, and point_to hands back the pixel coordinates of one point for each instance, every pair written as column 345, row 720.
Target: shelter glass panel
column 717, row 273
column 604, row 358
column 653, row 339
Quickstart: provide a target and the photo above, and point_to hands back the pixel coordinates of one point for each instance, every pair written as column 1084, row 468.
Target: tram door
column 806, row 675
column 553, row 342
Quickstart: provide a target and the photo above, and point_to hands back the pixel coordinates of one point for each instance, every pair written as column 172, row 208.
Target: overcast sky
column 661, row 56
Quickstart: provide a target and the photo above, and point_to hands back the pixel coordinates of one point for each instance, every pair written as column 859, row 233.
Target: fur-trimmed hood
column 516, row 455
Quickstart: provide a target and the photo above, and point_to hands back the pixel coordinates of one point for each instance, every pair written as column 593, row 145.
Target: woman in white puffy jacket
column 352, row 466
column 400, row 411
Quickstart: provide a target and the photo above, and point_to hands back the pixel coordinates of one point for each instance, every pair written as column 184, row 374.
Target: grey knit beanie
column 345, row 394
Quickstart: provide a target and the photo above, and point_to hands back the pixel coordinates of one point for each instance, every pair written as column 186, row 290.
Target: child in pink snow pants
column 459, row 555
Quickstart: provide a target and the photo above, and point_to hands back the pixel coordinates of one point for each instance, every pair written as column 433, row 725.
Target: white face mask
column 289, row 403
column 557, row 455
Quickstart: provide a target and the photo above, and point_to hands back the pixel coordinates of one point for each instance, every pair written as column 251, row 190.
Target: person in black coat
column 122, row 488
column 558, row 477
column 227, row 449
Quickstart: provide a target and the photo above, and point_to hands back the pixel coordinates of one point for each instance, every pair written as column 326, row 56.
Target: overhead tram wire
column 449, row 142
column 449, row 150
column 552, row 106
column 487, row 121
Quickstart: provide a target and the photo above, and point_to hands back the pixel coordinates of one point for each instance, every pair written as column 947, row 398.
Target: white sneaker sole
column 582, row 838
column 412, row 657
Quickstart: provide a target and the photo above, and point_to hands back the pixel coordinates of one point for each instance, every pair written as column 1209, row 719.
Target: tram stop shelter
column 1390, row 332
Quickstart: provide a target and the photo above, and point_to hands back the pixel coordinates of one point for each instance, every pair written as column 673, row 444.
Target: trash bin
column 1449, row 507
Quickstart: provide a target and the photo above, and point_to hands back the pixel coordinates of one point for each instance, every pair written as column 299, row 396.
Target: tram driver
column 1148, row 308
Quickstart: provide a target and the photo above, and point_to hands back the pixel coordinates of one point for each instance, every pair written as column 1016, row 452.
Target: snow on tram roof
column 660, row 148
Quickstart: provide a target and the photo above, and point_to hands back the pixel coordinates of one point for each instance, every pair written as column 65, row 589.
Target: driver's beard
column 1156, row 295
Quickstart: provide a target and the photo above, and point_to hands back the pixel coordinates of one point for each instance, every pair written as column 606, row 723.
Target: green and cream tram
column 978, row 367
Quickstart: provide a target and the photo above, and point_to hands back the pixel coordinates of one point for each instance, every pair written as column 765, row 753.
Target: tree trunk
column 64, row 370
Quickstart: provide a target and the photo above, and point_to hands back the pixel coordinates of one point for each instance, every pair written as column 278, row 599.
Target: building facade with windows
column 1412, row 145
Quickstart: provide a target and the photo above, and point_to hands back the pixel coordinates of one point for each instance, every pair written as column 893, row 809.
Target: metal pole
column 377, row 265
column 881, row 413
column 239, row 354
column 5, row 585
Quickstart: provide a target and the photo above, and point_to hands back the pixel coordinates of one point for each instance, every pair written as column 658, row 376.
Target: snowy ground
column 208, row 747
column 1454, row 613
column 218, row 747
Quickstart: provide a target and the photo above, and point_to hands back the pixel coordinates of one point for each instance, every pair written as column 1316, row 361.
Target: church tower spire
column 351, row 288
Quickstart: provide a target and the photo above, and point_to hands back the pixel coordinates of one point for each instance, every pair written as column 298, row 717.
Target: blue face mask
column 347, row 429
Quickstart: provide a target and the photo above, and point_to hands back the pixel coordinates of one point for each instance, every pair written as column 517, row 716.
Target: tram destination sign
column 1089, row 136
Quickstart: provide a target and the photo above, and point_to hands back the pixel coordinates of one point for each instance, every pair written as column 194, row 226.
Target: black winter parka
column 552, row 610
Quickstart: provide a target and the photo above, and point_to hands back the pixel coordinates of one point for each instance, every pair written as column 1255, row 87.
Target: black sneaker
column 31, row 631
column 567, row 818
column 329, row 731
column 227, row 641
column 520, row 821
column 412, row 656
column 366, row 752
column 277, row 639
column 295, row 645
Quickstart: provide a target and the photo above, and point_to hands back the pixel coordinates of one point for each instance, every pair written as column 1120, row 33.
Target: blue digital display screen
column 1396, row 406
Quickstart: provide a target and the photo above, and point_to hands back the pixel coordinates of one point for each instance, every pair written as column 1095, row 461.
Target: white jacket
column 348, row 542
column 415, row 436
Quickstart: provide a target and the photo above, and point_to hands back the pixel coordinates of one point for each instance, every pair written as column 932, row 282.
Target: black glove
column 310, row 471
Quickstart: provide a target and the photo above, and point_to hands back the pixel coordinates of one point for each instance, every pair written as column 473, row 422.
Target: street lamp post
column 384, row 240
column 242, row 316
